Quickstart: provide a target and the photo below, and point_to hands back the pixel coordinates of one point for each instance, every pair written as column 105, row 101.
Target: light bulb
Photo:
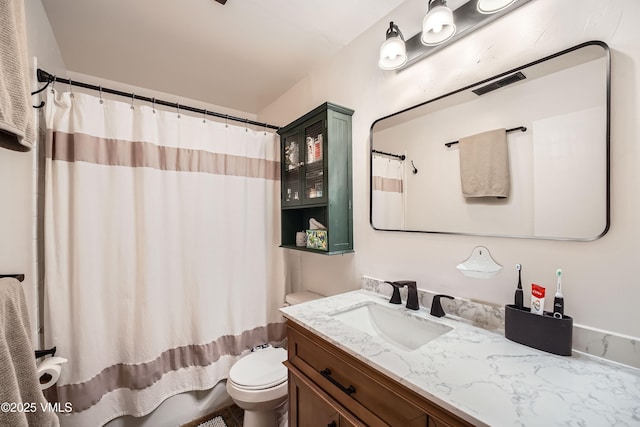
column 393, row 53
column 437, row 26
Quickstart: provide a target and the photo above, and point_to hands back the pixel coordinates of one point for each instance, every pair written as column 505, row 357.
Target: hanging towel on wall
column 17, row 127
column 484, row 164
column 20, row 385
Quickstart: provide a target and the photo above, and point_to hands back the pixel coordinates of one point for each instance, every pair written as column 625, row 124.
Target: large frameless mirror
column 555, row 113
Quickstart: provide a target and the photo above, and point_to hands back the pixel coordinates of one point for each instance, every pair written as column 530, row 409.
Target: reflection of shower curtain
column 388, row 195
column 159, row 252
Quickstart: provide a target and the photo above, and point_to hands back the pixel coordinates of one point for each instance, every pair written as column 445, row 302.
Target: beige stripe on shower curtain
column 78, row 147
column 161, row 264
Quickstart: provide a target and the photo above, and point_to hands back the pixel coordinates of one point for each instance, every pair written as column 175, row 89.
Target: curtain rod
column 44, row 76
column 399, row 156
column 520, row 128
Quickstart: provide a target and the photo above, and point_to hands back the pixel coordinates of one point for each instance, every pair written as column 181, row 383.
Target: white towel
column 19, row 384
column 314, row 224
column 17, row 127
column 484, row 164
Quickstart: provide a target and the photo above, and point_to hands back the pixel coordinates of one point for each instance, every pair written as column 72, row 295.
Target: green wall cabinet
column 315, row 156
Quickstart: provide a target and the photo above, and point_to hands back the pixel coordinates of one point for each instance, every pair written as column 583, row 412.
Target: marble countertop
column 481, row 376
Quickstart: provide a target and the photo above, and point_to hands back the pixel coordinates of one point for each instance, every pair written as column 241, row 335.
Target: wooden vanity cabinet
column 327, row 386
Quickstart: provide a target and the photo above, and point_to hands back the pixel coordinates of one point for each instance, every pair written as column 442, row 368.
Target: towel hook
column 49, row 80
column 415, row 170
column 35, row 92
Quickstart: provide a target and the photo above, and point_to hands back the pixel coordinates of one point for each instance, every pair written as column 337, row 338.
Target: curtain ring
column 204, row 116
column 265, row 129
column 71, row 90
column 153, row 104
column 226, row 118
column 133, row 97
column 101, row 101
column 178, row 109
column 246, row 125
column 53, row 83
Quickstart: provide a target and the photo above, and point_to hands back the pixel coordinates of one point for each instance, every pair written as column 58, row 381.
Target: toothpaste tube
column 537, row 299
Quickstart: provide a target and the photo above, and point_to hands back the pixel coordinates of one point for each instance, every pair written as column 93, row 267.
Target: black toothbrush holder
column 542, row 332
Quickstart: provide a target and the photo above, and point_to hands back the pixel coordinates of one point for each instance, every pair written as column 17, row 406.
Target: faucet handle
column 395, row 297
column 436, row 306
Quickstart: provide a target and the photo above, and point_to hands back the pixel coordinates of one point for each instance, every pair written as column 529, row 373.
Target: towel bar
column 520, row 128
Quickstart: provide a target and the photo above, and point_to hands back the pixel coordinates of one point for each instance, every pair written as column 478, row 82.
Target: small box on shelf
column 317, row 239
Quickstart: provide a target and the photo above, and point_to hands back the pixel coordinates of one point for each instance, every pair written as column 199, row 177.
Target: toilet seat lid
column 260, row 369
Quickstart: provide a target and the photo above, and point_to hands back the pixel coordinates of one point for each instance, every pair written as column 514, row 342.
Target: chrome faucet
column 412, row 293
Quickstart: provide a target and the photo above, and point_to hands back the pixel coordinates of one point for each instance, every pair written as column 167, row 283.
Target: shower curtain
column 388, row 195
column 161, row 264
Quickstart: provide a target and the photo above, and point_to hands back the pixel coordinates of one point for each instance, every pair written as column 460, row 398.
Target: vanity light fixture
column 440, row 27
column 437, row 26
column 393, row 52
column 493, row 6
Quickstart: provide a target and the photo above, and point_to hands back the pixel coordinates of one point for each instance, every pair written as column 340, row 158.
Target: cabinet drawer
column 357, row 387
column 310, row 406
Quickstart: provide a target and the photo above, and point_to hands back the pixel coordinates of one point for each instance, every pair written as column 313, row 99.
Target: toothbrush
column 558, row 299
column 519, row 295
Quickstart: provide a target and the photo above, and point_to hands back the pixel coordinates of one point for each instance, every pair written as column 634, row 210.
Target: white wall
column 601, row 285
column 42, row 43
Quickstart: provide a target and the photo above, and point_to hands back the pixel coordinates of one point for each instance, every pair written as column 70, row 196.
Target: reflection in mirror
column 555, row 112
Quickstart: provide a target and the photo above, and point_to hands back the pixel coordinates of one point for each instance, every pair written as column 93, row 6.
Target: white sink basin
column 398, row 327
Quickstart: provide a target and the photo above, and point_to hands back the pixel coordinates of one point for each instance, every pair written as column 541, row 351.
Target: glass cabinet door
column 293, row 165
column 314, row 155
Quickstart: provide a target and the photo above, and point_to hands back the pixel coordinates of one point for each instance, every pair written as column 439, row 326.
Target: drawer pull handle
column 327, row 374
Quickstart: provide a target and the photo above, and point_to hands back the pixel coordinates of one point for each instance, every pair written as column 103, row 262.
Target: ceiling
column 242, row 55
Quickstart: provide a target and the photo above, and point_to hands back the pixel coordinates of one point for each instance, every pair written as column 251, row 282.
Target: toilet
column 257, row 382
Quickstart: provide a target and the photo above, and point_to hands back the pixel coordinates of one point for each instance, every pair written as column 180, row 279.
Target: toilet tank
column 300, row 297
